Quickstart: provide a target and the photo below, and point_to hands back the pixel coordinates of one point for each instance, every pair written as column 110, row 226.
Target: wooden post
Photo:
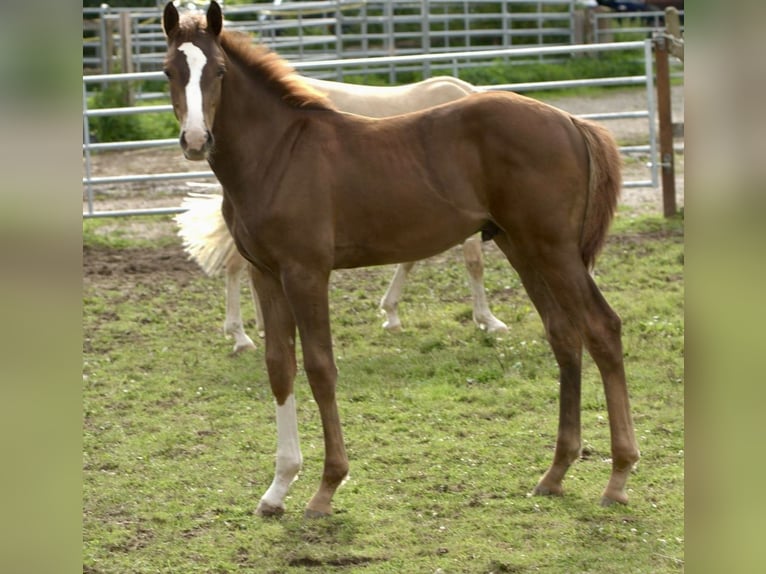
column 673, row 28
column 109, row 45
column 126, row 52
column 664, row 112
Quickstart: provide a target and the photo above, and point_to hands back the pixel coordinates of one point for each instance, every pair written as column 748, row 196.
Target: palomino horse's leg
column 232, row 325
column 281, row 367
column 574, row 310
column 307, row 292
column 474, row 263
column 390, row 300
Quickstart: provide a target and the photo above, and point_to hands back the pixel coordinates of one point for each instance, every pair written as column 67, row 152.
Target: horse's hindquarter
column 533, row 161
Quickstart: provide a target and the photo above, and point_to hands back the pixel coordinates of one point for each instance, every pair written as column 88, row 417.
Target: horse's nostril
column 183, row 139
column 208, row 138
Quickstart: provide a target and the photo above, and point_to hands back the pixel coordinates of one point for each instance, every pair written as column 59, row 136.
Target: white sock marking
column 289, row 458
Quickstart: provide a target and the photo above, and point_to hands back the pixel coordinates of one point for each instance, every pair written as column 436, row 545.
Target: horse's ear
column 214, row 18
column 169, row 19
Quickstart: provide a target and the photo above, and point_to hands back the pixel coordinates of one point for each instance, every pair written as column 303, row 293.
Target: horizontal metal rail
column 470, row 55
column 136, row 212
column 114, row 146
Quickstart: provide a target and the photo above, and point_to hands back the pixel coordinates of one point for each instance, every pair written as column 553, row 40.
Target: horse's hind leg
column 281, row 367
column 390, row 300
column 474, row 264
column 257, row 306
column 233, row 325
column 574, row 310
column 566, row 344
column 605, row 346
column 600, row 328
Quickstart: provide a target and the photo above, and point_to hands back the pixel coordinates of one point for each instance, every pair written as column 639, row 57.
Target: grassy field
column 447, row 429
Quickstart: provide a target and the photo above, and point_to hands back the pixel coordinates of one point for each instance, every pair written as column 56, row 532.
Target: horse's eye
column 221, row 71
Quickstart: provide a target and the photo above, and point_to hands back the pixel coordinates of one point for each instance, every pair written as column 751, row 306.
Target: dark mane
column 261, row 62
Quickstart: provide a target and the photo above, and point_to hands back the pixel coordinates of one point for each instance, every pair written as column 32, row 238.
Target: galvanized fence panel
column 450, row 62
column 325, row 29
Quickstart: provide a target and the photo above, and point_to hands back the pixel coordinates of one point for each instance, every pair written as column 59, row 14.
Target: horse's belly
column 376, row 245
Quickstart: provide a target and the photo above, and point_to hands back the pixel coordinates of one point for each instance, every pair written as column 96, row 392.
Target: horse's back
column 485, row 142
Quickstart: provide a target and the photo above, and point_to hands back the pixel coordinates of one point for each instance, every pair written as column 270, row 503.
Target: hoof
column 392, row 327
column 315, row 513
column 269, row 510
column 611, row 500
column 543, row 490
column 492, row 326
column 243, row 348
column 500, row 329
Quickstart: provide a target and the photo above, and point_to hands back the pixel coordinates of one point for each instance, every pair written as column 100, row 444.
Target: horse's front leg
column 307, row 292
column 281, row 367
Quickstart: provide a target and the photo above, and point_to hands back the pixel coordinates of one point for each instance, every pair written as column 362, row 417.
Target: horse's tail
column 204, row 234
column 605, row 184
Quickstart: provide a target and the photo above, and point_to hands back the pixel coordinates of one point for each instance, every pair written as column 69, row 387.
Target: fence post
column 109, row 44
column 425, row 35
column 664, row 112
column 126, row 51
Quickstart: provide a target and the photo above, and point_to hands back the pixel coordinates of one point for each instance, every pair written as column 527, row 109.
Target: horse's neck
column 245, row 99
column 251, row 129
column 249, row 116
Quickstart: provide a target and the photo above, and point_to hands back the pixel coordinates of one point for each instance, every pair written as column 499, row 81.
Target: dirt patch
column 101, row 263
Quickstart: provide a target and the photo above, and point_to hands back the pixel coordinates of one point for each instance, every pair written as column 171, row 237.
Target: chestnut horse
column 308, row 189
column 207, row 240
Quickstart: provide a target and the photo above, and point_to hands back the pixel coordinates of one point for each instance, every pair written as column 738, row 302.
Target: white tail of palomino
column 205, row 237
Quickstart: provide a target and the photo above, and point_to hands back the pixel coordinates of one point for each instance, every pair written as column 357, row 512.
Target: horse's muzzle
column 196, row 145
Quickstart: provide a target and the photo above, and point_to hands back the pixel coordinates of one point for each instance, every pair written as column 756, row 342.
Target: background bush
column 129, row 127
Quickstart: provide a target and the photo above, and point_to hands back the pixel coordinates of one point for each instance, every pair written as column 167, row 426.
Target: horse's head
column 195, row 66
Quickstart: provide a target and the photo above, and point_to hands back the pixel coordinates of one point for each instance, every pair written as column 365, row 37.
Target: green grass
column 447, row 429
column 144, row 232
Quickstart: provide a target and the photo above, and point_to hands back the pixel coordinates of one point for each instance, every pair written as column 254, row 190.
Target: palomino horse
column 207, row 240
column 308, row 189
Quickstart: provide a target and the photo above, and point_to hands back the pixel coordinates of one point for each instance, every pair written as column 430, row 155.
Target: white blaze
column 195, row 121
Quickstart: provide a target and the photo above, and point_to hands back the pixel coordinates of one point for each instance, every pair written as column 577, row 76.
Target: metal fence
column 450, row 62
column 132, row 39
